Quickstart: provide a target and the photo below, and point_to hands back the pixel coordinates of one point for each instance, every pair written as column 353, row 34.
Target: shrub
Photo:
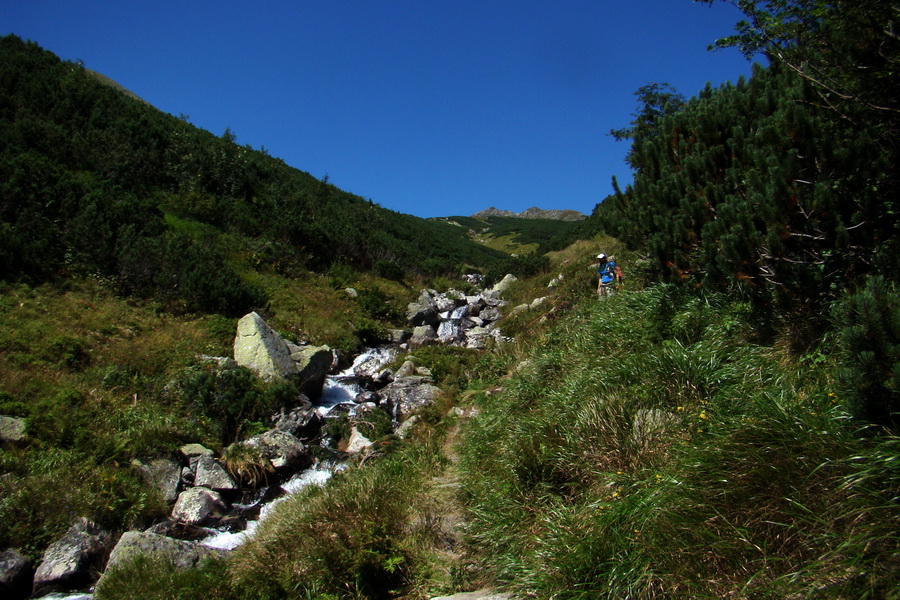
column 229, row 395
column 870, row 345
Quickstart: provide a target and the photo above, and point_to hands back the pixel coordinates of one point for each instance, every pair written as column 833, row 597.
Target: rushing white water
column 344, row 386
column 317, row 475
column 338, row 389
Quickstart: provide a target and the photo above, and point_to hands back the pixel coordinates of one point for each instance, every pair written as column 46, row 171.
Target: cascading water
column 341, row 388
column 317, row 475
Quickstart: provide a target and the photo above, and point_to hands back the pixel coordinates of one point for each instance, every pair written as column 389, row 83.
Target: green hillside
column 95, row 181
column 513, row 235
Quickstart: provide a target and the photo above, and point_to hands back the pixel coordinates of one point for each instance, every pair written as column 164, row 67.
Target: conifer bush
column 870, row 346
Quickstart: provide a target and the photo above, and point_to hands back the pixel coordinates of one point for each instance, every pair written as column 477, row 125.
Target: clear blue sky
column 427, row 107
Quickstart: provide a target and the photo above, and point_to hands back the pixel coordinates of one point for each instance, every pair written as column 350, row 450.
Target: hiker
column 609, row 274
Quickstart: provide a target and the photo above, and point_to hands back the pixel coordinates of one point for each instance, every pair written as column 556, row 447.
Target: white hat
column 601, row 256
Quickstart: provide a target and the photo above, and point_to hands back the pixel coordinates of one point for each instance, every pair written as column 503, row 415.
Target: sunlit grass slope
column 649, row 448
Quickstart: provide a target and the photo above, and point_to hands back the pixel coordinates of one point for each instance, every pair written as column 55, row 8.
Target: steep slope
column 94, row 181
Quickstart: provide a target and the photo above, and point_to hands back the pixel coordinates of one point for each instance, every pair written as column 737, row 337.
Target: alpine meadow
column 723, row 425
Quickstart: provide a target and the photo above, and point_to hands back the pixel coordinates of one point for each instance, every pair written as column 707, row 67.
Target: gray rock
column 260, row 349
column 197, row 504
column 406, row 369
column 398, row 336
column 12, row 431
column 311, row 365
column 406, row 427
column 70, row 562
column 475, row 304
column 182, row 554
column 163, row 474
column 449, row 301
column 423, row 335
column 15, row 575
column 357, row 442
column 519, row 309
column 193, row 451
column 286, row 453
column 303, row 422
column 503, row 285
column 538, row 301
column 210, row 474
column 423, row 311
column 477, row 337
column 351, row 292
column 408, row 394
column 491, row 313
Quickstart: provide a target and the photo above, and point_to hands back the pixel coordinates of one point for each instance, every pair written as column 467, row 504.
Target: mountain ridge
column 532, row 213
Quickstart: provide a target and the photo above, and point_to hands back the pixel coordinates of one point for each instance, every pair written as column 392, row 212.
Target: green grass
column 749, row 481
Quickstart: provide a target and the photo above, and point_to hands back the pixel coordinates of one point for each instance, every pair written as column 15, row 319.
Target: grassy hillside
column 652, row 445
column 95, row 182
column 512, row 235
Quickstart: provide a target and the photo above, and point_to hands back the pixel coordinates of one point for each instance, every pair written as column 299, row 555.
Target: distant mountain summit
column 532, row 213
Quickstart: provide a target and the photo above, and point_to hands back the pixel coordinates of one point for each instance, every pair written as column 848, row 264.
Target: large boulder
column 260, row 349
column 182, row 554
column 12, row 431
column 163, row 474
column 286, row 453
column 15, row 575
column 406, row 395
column 69, row 563
column 210, row 474
column 198, row 504
column 311, row 364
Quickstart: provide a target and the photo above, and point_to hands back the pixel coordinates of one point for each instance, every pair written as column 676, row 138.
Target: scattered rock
column 423, row 335
column 286, row 453
column 69, row 562
column 197, row 504
column 407, row 427
column 311, row 364
column 303, row 422
column 182, row 554
column 15, row 575
column 12, row 431
column 193, row 451
column 210, row 474
column 503, row 285
column 357, row 442
column 163, row 474
column 407, row 395
column 423, row 311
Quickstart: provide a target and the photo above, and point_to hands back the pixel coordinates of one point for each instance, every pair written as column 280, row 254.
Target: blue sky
column 432, row 108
